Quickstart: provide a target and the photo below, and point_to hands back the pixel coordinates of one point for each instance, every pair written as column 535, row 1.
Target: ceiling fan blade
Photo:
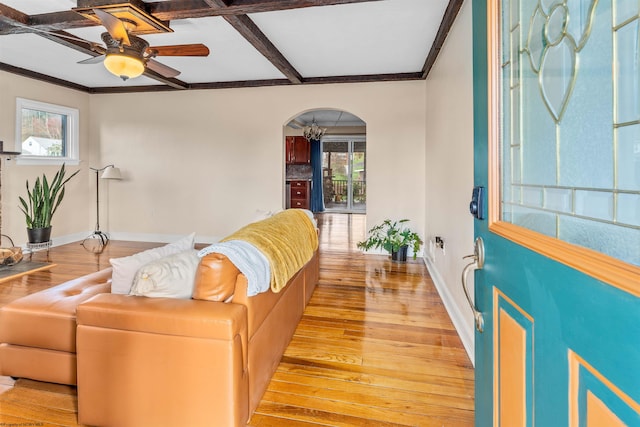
column 93, row 60
column 114, row 26
column 162, row 69
column 195, row 49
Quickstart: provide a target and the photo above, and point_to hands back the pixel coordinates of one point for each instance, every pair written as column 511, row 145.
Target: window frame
column 71, row 138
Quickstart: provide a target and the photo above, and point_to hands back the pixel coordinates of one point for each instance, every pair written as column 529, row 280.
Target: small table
column 34, row 247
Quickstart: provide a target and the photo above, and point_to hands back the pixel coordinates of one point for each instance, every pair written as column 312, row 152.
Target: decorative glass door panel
column 571, row 122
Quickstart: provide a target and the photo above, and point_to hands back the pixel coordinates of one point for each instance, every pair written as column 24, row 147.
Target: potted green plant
column 393, row 236
column 43, row 201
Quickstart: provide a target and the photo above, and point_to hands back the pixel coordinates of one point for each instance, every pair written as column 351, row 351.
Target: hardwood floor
column 375, row 346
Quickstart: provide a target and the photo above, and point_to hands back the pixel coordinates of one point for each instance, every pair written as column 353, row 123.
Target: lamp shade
column 111, row 173
column 124, row 66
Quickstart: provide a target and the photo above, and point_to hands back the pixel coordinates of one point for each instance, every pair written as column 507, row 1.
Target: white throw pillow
column 170, row 277
column 264, row 214
column 125, row 268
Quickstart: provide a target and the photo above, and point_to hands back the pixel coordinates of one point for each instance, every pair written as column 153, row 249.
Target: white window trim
column 344, row 138
column 72, row 137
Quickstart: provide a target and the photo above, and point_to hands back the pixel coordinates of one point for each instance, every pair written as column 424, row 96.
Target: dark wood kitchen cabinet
column 298, row 150
column 300, row 193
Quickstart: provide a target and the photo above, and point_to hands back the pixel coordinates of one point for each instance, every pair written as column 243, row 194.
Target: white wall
column 449, row 170
column 207, row 161
column 76, row 213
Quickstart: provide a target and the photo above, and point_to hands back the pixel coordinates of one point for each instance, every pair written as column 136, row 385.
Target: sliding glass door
column 344, row 173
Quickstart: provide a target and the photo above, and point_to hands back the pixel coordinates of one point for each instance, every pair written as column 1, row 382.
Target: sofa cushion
column 169, row 277
column 125, row 268
column 215, row 278
column 47, row 319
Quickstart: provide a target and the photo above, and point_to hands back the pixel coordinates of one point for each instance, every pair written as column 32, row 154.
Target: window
column 46, row 133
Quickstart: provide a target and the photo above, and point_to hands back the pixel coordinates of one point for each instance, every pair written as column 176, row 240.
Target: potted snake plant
column 394, row 237
column 41, row 203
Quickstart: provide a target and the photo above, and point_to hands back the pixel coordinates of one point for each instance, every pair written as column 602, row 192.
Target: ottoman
column 38, row 331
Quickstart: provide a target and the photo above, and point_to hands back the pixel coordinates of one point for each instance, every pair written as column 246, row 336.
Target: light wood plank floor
column 375, row 346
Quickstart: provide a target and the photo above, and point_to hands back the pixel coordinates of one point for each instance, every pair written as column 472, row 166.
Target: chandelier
column 313, row 132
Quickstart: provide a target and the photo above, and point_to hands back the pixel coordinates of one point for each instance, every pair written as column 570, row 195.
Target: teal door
column 557, row 147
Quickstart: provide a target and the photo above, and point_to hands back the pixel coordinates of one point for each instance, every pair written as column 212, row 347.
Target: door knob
column 476, row 264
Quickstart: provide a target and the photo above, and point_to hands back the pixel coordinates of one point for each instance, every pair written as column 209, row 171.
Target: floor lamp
column 108, row 172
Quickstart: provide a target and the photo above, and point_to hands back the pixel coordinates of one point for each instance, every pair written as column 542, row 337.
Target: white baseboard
column 162, row 238
column 380, row 251
column 63, row 240
column 465, row 330
column 134, row 237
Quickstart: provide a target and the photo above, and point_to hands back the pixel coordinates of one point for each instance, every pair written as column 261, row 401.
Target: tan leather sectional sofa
column 171, row 362
column 141, row 361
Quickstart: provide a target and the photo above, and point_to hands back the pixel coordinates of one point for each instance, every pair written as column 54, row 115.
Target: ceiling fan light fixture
column 124, row 66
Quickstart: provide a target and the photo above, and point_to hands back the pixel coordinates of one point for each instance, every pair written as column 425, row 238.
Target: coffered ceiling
column 251, row 42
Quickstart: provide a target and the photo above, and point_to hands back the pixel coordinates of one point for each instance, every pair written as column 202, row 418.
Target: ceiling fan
column 127, row 55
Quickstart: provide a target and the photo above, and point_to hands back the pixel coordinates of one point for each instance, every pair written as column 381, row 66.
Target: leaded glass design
column 571, row 121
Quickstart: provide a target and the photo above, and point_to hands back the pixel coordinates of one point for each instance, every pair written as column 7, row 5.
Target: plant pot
column 39, row 235
column 400, row 255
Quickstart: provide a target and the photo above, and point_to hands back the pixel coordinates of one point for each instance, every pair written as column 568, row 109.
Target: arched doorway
column 337, row 166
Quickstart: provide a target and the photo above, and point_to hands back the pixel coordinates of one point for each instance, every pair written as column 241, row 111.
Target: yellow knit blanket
column 288, row 239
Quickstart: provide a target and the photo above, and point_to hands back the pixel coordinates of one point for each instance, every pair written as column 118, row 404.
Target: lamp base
column 96, row 242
